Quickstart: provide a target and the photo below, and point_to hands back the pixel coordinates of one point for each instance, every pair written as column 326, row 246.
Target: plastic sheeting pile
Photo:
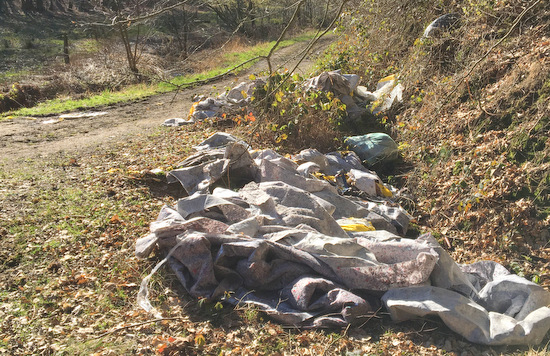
column 208, row 107
column 442, row 24
column 288, row 242
column 357, row 98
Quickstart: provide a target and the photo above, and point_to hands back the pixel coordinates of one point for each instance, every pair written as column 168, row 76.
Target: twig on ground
column 374, row 315
column 421, row 330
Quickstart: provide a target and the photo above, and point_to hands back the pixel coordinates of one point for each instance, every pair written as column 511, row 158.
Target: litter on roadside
column 176, row 121
column 51, row 121
column 441, row 24
column 255, row 229
column 358, row 99
column 73, row 116
column 209, row 107
column 373, row 148
column 82, row 115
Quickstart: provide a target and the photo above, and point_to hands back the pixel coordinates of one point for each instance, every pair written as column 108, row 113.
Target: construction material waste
column 255, row 229
column 239, row 96
column 176, row 121
column 74, row 115
column 373, row 148
column 358, row 99
column 388, row 92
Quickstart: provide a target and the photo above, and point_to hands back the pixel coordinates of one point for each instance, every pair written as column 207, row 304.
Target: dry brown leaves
column 474, row 186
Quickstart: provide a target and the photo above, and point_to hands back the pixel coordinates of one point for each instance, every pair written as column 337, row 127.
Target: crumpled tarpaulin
column 239, row 96
column 357, row 98
column 276, row 240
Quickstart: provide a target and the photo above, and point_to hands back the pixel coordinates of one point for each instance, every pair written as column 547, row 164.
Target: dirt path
column 29, row 138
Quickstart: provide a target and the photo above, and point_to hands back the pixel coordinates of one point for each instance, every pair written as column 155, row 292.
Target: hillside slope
column 474, row 123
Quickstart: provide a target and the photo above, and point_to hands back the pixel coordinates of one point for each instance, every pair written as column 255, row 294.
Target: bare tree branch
column 115, row 21
column 282, row 35
column 311, row 44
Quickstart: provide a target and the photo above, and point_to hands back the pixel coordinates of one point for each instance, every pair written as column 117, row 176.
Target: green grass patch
column 107, row 97
column 135, row 92
column 11, row 75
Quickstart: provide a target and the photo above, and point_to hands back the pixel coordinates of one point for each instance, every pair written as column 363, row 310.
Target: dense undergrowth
column 474, row 123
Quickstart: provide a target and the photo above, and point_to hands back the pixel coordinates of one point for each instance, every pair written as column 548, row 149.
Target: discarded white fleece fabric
column 276, row 243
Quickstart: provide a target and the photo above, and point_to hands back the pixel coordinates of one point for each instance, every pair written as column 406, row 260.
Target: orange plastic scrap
column 192, row 110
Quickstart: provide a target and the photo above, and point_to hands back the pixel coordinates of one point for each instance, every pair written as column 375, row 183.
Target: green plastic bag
column 373, row 148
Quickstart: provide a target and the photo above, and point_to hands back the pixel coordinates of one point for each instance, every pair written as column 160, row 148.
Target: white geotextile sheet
column 276, row 243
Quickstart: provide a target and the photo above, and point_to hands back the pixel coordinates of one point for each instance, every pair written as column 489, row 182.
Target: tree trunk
column 132, row 64
column 185, row 34
column 66, row 48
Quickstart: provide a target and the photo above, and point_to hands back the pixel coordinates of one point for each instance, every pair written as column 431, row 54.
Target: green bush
column 297, row 118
